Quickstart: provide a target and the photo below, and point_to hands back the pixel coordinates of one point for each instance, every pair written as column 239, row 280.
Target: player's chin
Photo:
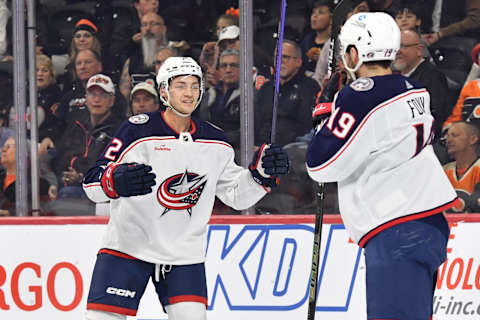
column 188, row 108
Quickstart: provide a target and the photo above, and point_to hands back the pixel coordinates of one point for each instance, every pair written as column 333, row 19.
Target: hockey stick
column 339, row 14
column 278, row 64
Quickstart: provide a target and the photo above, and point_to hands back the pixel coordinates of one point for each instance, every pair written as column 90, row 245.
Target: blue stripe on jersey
column 354, row 106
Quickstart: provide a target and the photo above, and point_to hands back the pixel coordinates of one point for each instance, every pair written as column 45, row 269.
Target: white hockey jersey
column 169, row 225
column 376, row 144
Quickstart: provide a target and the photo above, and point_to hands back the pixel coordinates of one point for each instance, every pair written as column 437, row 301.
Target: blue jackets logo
column 181, row 191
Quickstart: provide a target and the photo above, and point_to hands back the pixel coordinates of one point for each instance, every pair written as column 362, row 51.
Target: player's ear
column 351, row 56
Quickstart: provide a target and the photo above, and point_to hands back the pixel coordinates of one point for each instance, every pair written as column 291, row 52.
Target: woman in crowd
column 48, row 99
column 8, row 178
column 84, row 37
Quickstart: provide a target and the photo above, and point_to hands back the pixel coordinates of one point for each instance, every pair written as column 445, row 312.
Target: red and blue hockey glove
column 320, row 113
column 127, row 179
column 269, row 162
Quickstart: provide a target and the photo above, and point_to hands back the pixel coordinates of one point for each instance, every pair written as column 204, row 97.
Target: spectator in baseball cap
column 86, row 138
column 144, row 98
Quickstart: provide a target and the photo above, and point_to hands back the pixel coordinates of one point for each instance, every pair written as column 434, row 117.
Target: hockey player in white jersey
column 161, row 173
column 392, row 190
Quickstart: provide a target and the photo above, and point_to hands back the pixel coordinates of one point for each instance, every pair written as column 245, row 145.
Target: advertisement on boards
column 254, row 271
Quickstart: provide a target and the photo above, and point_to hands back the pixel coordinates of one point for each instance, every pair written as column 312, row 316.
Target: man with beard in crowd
column 124, row 33
column 140, row 64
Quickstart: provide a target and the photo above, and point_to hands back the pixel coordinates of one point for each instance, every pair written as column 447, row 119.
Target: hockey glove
column 269, row 162
column 127, row 179
column 320, row 113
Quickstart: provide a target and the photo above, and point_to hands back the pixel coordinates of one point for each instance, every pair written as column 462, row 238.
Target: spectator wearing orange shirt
column 464, row 172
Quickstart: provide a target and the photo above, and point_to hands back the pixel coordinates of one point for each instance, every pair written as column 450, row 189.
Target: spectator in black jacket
column 221, row 103
column 85, row 138
column 296, row 100
column 48, row 100
column 410, row 62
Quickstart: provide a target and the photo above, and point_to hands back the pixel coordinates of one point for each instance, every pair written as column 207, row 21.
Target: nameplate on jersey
column 185, row 137
column 139, row 119
column 362, row 84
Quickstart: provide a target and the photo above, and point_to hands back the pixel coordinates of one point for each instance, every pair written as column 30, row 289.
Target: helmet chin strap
column 178, row 113
column 351, row 71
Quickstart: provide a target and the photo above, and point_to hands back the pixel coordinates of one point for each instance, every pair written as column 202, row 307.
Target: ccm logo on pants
column 121, row 292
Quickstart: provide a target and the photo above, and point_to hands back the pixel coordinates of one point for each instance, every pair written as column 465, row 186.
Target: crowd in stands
column 97, row 61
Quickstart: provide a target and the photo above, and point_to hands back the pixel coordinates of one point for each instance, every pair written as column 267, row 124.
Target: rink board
column 257, row 268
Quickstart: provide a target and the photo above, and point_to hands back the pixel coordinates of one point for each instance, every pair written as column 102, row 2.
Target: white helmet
column 178, row 66
column 375, row 35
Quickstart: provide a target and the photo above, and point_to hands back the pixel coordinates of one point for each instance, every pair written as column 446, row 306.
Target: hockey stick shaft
column 278, row 65
column 317, row 240
column 339, row 15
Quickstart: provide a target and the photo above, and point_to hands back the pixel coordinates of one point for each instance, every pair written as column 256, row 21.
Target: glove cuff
column 256, row 164
column 107, row 182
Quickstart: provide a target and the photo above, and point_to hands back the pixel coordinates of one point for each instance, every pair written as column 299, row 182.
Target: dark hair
column 383, row 63
column 322, row 3
column 410, row 7
column 295, row 44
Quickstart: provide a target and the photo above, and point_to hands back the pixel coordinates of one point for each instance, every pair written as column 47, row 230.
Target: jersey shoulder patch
column 139, row 119
column 362, row 84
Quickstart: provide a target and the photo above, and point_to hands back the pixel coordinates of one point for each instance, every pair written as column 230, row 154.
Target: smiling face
column 98, row 101
column 410, row 52
column 184, row 93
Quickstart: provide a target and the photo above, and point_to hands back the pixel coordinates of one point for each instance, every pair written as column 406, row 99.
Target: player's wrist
column 269, row 162
column 107, row 183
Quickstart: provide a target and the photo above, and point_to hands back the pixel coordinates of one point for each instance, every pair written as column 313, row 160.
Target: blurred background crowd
column 97, row 60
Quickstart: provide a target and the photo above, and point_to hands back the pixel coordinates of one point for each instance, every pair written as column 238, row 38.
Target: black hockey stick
column 339, row 14
column 278, row 64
